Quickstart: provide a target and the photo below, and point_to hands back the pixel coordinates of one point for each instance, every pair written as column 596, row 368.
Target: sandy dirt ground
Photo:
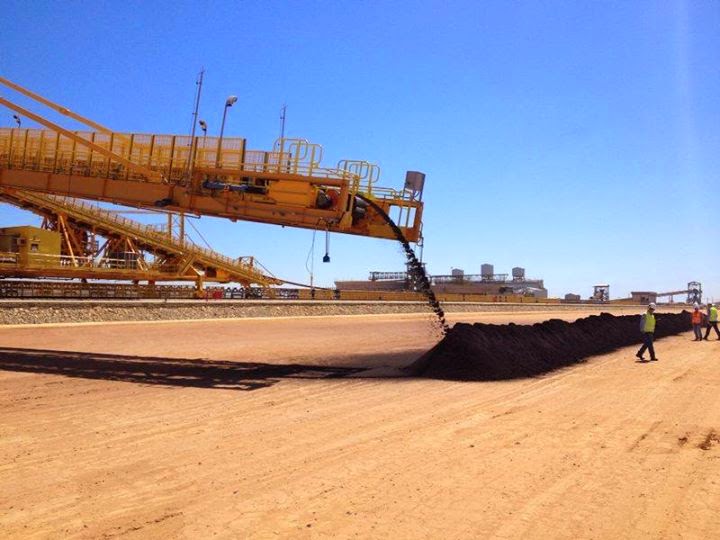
column 267, row 429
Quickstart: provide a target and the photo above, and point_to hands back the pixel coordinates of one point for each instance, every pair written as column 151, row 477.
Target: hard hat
column 696, row 306
column 652, row 305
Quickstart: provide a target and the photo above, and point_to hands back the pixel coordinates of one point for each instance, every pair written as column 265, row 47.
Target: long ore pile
column 485, row 352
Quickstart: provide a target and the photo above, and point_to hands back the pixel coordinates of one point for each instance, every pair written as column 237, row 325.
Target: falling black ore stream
column 415, row 268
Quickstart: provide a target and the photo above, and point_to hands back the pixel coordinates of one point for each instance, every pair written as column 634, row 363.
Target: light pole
column 229, row 102
column 17, row 120
column 193, row 141
column 203, row 126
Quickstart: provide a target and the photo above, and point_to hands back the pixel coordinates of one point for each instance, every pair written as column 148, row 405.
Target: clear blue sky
column 579, row 140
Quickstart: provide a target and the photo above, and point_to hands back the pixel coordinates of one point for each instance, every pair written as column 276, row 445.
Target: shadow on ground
column 200, row 373
column 469, row 352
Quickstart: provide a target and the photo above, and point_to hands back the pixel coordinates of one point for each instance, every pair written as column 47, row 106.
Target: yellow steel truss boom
column 285, row 186
column 59, row 108
column 176, row 259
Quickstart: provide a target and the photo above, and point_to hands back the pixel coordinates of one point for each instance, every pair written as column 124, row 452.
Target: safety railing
column 364, row 174
column 9, row 258
column 56, row 261
column 479, row 278
column 293, row 156
column 381, row 276
column 172, row 156
column 175, row 157
column 55, row 289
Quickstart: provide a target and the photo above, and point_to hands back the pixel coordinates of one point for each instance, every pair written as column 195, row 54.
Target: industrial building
column 32, row 246
column 692, row 295
column 457, row 282
column 643, row 297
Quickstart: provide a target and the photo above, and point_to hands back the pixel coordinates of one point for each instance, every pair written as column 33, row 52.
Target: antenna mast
column 283, row 110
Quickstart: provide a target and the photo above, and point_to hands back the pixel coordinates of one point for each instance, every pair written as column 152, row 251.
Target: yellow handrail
column 148, row 156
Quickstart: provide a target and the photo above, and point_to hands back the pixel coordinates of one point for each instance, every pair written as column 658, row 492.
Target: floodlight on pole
column 17, row 120
column 203, row 126
column 229, row 102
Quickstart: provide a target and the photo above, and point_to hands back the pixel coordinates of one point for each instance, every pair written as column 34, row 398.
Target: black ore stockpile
column 487, row 352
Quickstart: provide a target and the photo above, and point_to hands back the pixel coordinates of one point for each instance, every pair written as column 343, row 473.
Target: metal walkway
column 208, row 176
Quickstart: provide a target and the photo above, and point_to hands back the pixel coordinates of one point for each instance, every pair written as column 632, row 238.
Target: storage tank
column 487, row 271
column 518, row 273
column 415, row 181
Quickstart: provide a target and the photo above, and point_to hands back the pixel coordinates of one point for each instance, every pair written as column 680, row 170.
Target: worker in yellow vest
column 712, row 320
column 647, row 329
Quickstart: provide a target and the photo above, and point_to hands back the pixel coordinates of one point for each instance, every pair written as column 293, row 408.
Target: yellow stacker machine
column 47, row 170
column 68, row 245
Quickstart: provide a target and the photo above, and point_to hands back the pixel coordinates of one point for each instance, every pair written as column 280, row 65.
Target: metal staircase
column 174, row 258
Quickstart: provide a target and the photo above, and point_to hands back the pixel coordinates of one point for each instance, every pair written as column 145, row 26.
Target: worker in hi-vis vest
column 647, row 328
column 712, row 320
column 697, row 320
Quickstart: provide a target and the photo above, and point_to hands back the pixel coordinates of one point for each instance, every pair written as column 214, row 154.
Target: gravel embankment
column 35, row 312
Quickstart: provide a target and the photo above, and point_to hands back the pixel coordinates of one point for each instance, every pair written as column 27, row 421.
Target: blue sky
column 576, row 139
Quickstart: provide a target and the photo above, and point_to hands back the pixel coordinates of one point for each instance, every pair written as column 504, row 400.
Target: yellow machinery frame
column 203, row 175
column 174, row 258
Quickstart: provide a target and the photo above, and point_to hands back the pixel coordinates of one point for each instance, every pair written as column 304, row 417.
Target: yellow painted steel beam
column 139, row 236
column 96, row 273
column 148, row 173
column 281, row 187
column 59, row 108
column 225, row 204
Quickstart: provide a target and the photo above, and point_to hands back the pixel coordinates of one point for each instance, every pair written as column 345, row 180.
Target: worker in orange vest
column 697, row 319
